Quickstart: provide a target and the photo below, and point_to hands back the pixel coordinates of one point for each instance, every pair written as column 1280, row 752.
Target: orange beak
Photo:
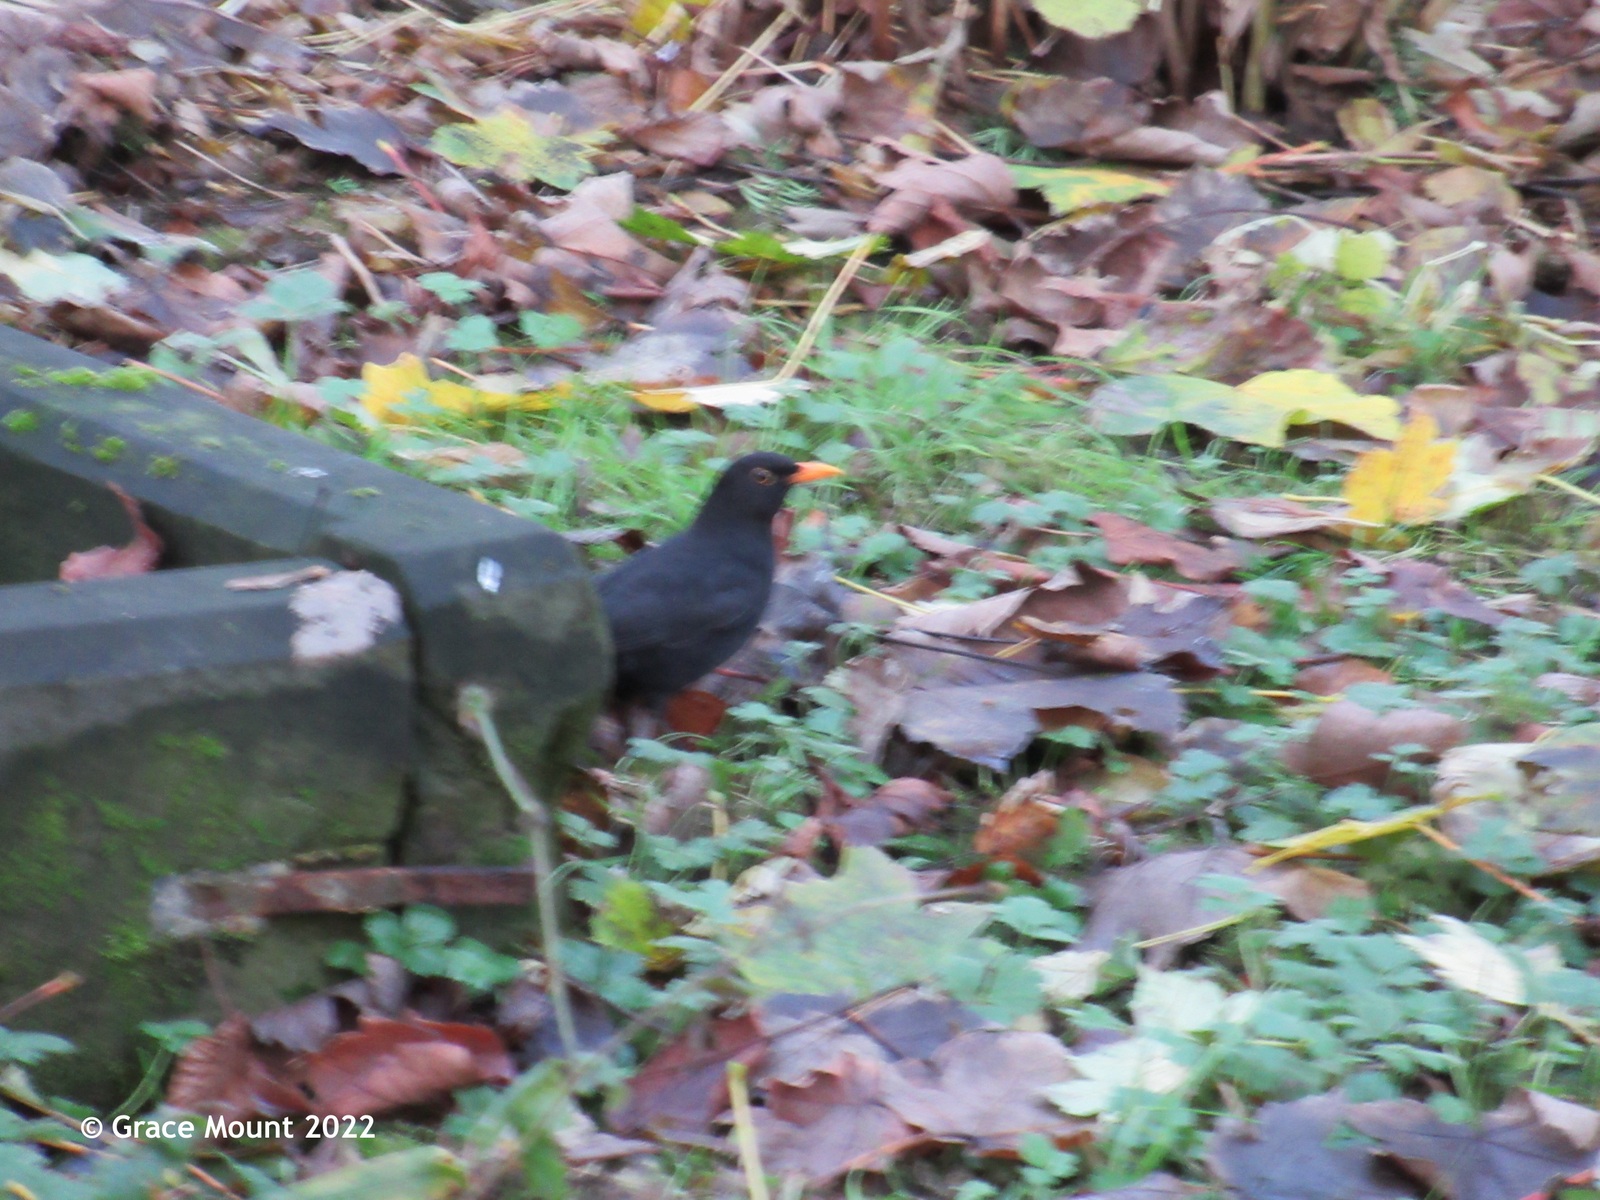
column 810, row 472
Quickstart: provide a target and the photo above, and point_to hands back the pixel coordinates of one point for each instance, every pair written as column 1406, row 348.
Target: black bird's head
column 753, row 488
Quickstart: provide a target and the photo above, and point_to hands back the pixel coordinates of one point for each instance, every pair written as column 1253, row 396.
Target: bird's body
column 681, row 609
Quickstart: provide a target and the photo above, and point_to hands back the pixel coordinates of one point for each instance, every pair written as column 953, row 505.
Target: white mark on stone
column 308, row 472
column 490, row 575
column 342, row 614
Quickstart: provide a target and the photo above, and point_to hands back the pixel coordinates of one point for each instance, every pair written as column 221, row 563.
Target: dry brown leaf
column 1333, row 678
column 701, row 138
column 986, row 1088
column 1203, row 206
column 991, row 724
column 1428, row 587
column 683, row 1088
column 1273, row 1154
column 1130, row 543
column 133, row 90
column 1346, row 740
column 979, row 183
column 678, row 805
column 387, row 1064
column 987, row 708
column 1022, row 822
column 584, row 235
column 1263, row 517
column 1166, row 898
column 1516, row 1150
column 892, row 810
column 227, row 1074
column 831, row 1123
column 346, row 129
column 1163, row 897
column 1228, row 340
column 1088, row 314
column 1174, row 631
column 950, row 553
column 1308, row 891
column 138, row 557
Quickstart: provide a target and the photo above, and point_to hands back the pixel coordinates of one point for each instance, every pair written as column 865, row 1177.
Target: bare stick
column 359, row 267
column 756, row 48
column 477, row 717
column 744, row 1131
column 61, row 984
column 825, row 307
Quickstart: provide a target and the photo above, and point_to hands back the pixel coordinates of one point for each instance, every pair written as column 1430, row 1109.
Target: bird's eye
column 763, row 476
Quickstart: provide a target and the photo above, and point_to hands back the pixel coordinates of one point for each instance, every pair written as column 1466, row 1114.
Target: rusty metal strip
column 185, row 906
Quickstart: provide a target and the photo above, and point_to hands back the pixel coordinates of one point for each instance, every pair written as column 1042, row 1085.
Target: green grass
column 924, row 439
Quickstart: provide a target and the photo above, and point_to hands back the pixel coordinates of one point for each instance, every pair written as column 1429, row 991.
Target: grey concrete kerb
column 163, row 723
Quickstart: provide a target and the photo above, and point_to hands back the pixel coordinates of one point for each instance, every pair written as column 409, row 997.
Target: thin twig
column 825, row 307
column 445, row 365
column 946, row 54
column 749, row 55
column 1037, row 668
column 1194, row 932
column 208, row 393
column 233, row 174
column 477, row 713
column 1489, row 869
column 394, row 247
column 909, row 606
column 60, row 985
column 951, row 135
column 744, row 1131
column 359, row 267
column 767, row 65
column 401, row 165
column 719, row 230
column 210, row 1181
column 1570, row 488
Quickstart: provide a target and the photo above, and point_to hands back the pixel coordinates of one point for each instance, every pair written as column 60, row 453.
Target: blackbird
column 683, row 608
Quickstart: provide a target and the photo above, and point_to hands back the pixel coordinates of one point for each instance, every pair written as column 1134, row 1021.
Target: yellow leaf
column 455, row 397
column 716, row 395
column 1305, row 397
column 1070, row 189
column 659, row 21
column 1259, row 411
column 462, row 398
column 1347, row 832
column 1362, row 257
column 405, row 382
column 521, row 146
column 388, row 386
column 1403, row 485
column 1091, row 18
column 1367, row 123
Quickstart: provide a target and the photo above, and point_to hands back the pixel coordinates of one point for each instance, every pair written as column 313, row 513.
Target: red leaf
column 387, row 1064
column 229, row 1075
column 138, row 557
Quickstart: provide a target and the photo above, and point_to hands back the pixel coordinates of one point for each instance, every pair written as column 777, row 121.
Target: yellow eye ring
column 763, row 476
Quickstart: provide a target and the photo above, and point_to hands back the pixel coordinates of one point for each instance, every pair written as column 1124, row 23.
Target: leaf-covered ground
column 1170, row 761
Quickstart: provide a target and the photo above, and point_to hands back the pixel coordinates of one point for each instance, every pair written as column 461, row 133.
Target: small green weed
column 424, row 941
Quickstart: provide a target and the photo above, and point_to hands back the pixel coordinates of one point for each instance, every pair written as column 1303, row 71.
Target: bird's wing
column 646, row 608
